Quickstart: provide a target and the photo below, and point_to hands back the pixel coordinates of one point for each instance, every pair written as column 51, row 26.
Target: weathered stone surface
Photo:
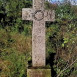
column 39, row 15
column 38, row 4
column 27, row 14
column 49, row 15
column 38, row 43
column 38, row 72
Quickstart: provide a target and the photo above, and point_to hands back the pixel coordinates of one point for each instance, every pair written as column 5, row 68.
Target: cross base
column 38, row 72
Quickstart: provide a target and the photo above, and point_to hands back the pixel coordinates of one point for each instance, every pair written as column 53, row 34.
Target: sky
column 73, row 2
column 57, row 0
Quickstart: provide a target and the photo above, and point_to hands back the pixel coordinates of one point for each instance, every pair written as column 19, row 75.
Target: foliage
column 15, row 39
column 62, row 40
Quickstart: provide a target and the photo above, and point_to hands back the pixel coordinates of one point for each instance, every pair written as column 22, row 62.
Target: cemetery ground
column 16, row 40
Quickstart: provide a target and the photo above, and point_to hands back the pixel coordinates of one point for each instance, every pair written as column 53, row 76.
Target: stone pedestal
column 38, row 72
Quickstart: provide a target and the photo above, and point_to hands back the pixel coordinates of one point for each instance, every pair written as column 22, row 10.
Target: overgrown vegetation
column 15, row 39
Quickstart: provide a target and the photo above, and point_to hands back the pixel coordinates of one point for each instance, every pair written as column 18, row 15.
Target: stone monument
column 38, row 15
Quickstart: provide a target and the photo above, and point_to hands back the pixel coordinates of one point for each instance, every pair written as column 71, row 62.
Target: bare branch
column 66, row 68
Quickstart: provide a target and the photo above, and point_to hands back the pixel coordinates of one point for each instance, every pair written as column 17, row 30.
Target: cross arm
column 49, row 15
column 27, row 14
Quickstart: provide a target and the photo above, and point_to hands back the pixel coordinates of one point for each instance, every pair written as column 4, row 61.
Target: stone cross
column 38, row 15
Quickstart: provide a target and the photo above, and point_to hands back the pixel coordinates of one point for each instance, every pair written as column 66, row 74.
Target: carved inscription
column 49, row 15
column 27, row 14
column 38, row 15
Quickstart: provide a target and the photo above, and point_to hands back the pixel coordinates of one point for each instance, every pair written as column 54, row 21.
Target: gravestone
column 38, row 15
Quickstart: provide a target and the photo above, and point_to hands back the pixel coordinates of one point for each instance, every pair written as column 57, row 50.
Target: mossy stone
column 38, row 72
